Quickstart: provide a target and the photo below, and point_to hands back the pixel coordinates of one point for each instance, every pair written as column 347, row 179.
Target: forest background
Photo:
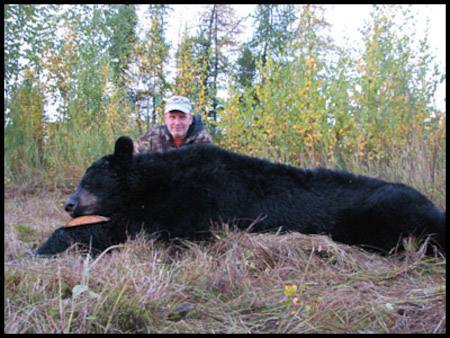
column 289, row 93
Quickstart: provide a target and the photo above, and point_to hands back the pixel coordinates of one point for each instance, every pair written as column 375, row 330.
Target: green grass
column 238, row 283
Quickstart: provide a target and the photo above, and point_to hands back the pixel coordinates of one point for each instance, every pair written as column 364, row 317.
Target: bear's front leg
column 93, row 236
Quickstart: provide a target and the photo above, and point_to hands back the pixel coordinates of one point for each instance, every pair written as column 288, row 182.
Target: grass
column 238, row 283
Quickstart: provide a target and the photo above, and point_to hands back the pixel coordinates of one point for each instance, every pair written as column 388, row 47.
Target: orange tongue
column 82, row 220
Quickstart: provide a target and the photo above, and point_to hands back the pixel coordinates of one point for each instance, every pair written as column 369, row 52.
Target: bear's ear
column 124, row 146
column 123, row 152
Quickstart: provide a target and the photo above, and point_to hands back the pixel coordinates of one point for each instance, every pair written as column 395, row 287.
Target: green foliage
column 275, row 30
column 191, row 66
column 28, row 32
column 372, row 108
column 210, row 50
column 25, row 130
column 246, row 68
column 149, row 58
column 282, row 122
column 122, row 36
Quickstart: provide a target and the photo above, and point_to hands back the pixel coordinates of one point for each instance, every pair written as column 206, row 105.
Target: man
column 181, row 128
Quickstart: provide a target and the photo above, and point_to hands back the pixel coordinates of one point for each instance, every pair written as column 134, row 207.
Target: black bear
column 181, row 193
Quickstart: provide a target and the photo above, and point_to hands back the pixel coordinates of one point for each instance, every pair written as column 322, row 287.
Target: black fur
column 181, row 193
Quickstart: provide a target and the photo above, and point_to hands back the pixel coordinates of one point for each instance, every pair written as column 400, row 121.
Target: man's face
column 178, row 123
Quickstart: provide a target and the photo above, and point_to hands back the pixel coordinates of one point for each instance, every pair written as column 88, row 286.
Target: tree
column 275, row 30
column 246, row 70
column 122, row 38
column 29, row 31
column 150, row 58
column 26, row 128
column 216, row 39
column 396, row 83
column 191, row 74
column 76, row 66
column 284, row 113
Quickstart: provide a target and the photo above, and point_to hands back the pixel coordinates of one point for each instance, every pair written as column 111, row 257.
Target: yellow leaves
column 291, row 117
column 296, row 304
column 290, row 290
column 398, row 98
column 298, row 129
column 311, row 66
column 309, row 140
column 310, row 62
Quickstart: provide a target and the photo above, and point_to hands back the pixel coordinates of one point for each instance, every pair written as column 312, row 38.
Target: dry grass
column 239, row 283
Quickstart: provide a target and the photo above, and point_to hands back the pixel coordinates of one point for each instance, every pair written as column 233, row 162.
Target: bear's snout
column 70, row 206
column 81, row 203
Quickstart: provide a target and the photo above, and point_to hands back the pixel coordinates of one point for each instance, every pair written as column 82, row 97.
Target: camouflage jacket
column 159, row 138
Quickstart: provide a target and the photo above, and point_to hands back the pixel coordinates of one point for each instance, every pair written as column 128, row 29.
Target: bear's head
column 104, row 185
